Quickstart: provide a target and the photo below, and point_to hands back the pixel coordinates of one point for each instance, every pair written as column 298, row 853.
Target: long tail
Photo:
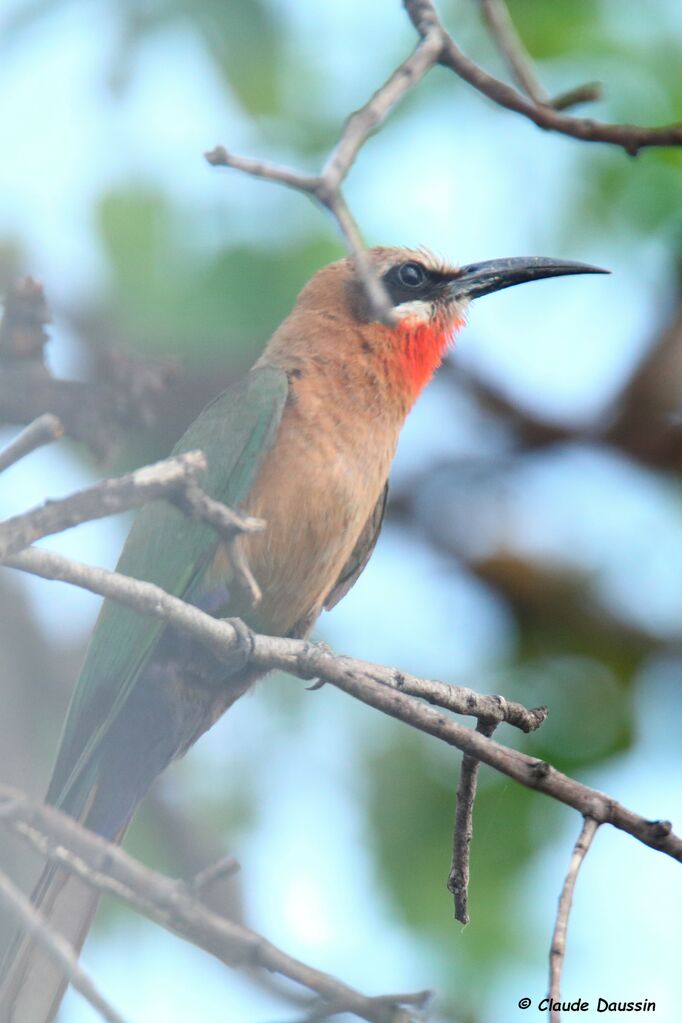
column 161, row 720
column 32, row 986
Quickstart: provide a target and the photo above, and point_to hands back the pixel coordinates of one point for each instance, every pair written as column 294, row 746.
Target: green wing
column 361, row 554
column 165, row 547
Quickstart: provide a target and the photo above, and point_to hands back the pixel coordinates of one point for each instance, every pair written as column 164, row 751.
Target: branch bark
column 93, row 412
column 325, row 188
column 631, row 137
column 174, row 479
column 458, row 879
column 510, row 44
column 18, row 906
column 42, row 430
column 557, row 952
column 172, row 905
column 374, row 685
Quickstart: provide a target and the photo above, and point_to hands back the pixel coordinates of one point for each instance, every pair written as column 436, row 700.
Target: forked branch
column 176, row 907
column 372, row 684
column 631, row 137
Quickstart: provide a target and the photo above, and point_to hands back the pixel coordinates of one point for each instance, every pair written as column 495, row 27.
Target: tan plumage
column 304, row 441
column 320, row 484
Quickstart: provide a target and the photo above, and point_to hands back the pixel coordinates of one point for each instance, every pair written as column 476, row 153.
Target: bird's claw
column 243, row 649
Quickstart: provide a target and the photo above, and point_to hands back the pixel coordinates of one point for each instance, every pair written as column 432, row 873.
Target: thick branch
column 107, row 868
column 93, row 412
column 630, row 137
column 236, row 644
column 89, row 413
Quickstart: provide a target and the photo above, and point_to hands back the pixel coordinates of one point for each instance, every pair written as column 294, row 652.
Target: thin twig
column 362, row 123
column 42, row 430
column 326, row 187
column 231, row 640
column 510, row 45
column 219, row 156
column 558, row 948
column 630, row 137
column 18, row 906
column 520, row 63
column 108, row 869
column 324, row 1009
column 193, row 501
column 589, row 92
column 458, row 879
column 173, row 479
column 109, row 497
column 218, row 871
column 458, row 699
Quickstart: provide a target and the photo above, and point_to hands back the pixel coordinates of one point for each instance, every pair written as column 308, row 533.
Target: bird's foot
column 243, row 649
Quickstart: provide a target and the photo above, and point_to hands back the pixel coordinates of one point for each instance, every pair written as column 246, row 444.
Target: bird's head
column 429, row 298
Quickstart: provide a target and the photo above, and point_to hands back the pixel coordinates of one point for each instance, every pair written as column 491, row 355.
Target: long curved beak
column 483, row 278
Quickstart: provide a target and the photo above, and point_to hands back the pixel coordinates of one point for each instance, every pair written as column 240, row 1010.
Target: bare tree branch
column 558, row 948
column 42, row 430
column 193, row 501
column 230, row 638
column 510, row 44
column 110, row 870
column 458, row 879
column 503, row 30
column 93, row 412
column 590, row 92
column 173, row 479
column 87, row 413
column 374, row 685
column 326, row 187
column 630, row 137
column 361, row 124
column 57, row 948
column 106, row 498
column 218, row 871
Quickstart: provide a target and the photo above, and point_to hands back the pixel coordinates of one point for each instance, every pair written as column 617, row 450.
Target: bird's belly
column 316, row 489
column 313, row 522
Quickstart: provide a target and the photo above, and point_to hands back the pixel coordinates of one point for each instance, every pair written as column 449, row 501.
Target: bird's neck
column 365, row 368
column 419, row 349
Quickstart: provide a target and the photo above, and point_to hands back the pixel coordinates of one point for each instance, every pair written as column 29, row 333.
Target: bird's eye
column 411, row 275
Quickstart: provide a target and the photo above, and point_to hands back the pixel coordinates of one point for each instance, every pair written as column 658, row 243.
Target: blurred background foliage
column 532, row 545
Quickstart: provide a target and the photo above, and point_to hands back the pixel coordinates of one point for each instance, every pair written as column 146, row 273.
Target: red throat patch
column 422, row 347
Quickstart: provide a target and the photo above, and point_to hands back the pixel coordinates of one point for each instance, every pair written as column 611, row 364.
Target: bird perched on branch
column 305, row 441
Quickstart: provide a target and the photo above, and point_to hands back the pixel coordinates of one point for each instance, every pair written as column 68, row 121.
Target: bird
column 305, row 441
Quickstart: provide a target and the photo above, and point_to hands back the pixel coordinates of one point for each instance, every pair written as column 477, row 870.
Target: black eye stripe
column 410, row 281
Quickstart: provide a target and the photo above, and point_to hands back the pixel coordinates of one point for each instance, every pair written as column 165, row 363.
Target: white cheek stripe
column 422, row 310
column 417, row 310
